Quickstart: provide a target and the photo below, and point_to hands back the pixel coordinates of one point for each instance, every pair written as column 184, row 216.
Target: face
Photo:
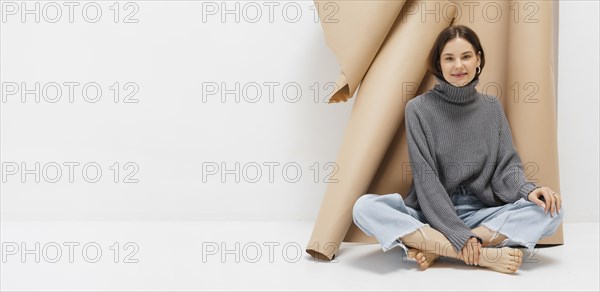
column 459, row 62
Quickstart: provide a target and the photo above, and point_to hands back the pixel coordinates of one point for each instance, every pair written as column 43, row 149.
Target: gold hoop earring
column 478, row 69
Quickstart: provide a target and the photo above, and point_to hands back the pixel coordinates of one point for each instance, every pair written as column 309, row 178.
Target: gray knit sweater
column 457, row 135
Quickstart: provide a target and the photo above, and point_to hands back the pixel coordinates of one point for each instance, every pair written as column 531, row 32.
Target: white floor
column 257, row 256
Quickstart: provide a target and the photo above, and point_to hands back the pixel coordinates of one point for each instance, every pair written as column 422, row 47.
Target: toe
column 412, row 253
column 519, row 253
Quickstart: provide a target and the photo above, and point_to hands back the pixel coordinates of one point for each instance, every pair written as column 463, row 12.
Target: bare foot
column 505, row 260
column 425, row 260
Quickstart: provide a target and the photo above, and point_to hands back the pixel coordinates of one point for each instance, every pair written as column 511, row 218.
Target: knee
column 363, row 205
column 558, row 218
column 555, row 222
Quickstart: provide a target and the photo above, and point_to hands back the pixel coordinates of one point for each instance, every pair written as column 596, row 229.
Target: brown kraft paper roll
column 383, row 46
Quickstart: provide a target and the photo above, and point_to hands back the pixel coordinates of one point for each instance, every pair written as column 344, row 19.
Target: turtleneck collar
column 451, row 93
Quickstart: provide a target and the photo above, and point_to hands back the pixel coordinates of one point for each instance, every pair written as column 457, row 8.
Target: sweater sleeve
column 433, row 198
column 509, row 182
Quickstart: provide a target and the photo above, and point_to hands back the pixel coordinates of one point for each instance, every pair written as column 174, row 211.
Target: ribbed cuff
column 526, row 190
column 458, row 239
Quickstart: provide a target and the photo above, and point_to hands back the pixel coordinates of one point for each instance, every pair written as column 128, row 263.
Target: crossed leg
column 426, row 250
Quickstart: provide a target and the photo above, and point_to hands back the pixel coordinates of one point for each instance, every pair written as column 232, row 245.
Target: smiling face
column 459, row 62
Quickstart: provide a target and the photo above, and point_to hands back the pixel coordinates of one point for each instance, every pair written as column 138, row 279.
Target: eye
column 468, row 56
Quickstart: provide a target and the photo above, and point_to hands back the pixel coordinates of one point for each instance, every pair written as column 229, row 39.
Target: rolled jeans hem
column 397, row 242
column 515, row 237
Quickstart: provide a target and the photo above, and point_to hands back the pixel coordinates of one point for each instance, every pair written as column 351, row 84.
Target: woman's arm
column 509, row 182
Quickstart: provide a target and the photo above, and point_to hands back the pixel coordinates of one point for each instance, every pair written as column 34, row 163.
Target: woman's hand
column 471, row 251
column 551, row 199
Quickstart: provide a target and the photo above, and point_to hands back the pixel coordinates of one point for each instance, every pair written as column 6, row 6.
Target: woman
column 469, row 197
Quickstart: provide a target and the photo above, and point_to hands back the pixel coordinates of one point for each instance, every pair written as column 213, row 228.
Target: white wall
column 180, row 61
column 578, row 95
column 176, row 61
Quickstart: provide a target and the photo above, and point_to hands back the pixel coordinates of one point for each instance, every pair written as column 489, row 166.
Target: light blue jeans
column 387, row 219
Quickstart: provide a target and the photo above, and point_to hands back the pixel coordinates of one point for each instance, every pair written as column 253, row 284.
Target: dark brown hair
column 450, row 33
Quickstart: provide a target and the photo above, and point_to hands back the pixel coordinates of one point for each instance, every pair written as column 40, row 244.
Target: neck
column 451, row 93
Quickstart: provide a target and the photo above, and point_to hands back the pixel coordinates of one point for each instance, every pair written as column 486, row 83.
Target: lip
column 459, row 75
